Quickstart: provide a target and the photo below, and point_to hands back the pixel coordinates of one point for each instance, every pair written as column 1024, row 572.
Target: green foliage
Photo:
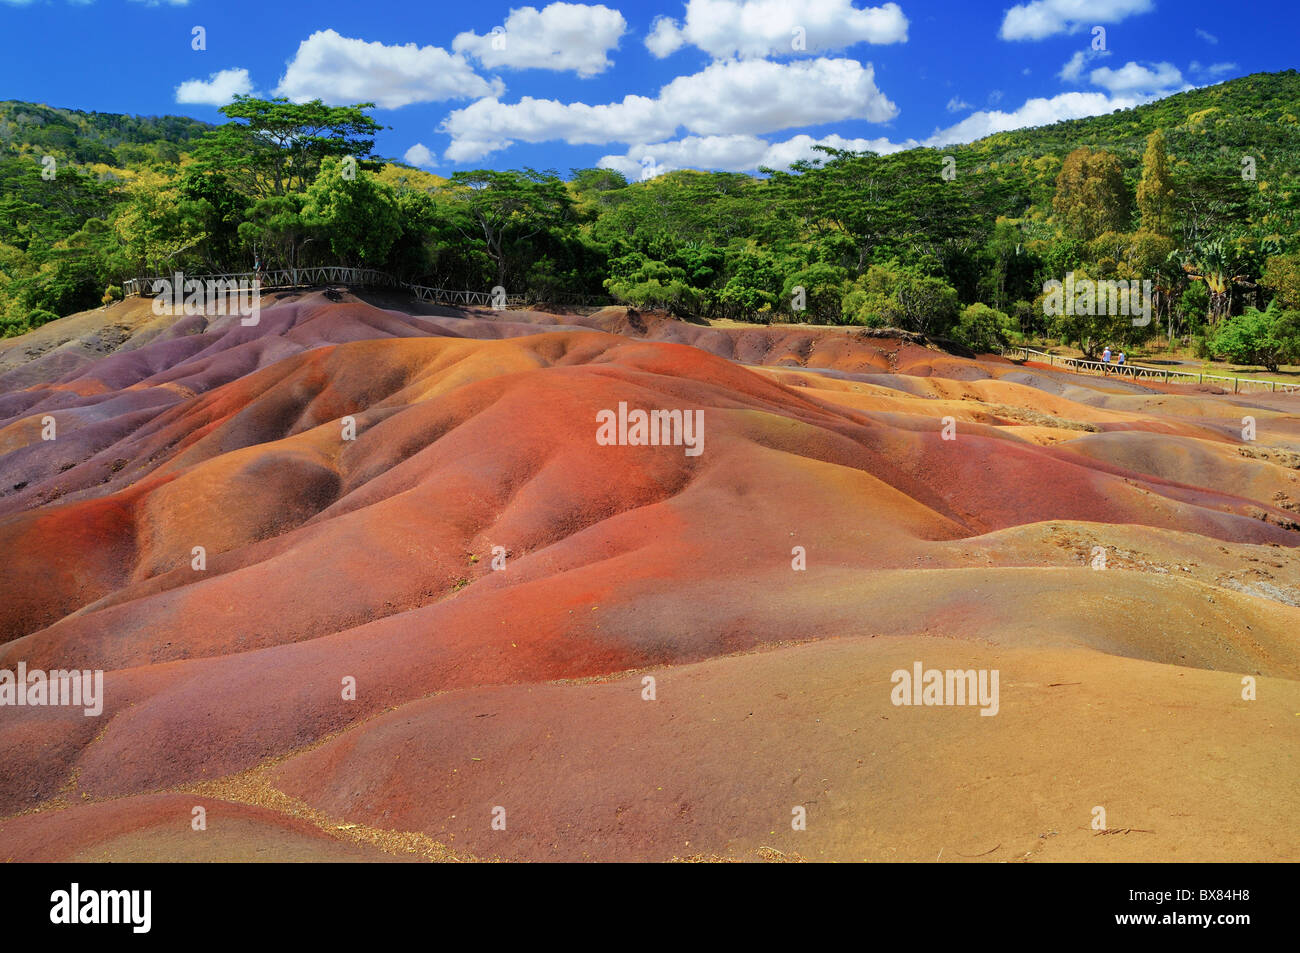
column 1195, row 304
column 1282, row 277
column 752, row 291
column 823, row 287
column 1270, row 337
column 154, row 224
column 982, row 329
column 14, row 326
column 870, row 239
column 1155, row 191
column 894, row 295
column 645, row 283
column 1091, row 197
column 73, row 136
column 274, row 230
column 354, row 213
column 505, row 211
column 275, row 147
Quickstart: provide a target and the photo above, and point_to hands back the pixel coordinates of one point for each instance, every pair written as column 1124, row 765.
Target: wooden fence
column 279, row 278
column 1140, row 372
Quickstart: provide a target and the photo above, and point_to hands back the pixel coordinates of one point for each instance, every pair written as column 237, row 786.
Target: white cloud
column 560, row 36
column 741, row 153
column 1035, row 112
column 732, row 153
column 1073, row 68
column 419, row 154
column 1133, row 78
column 217, row 90
column 341, row 70
column 665, row 37
column 733, row 97
column 752, row 28
column 1206, row 36
column 1041, row 18
column 1213, row 71
column 956, row 105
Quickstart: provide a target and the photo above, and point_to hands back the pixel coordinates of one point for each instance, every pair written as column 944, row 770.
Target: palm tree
column 1218, row 264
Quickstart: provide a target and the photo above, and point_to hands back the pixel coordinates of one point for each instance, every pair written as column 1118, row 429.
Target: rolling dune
column 416, row 500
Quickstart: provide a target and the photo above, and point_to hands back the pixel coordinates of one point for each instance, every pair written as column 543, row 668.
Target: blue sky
column 641, row 86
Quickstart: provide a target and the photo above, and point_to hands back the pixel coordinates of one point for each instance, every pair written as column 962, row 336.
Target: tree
column 646, row 283
column 752, row 289
column 357, row 215
column 215, row 209
column 275, row 230
column 1155, row 191
column 981, row 328
column 1219, row 264
column 503, row 210
column 1090, row 328
column 275, row 147
column 823, row 288
column 1282, row 275
column 1091, row 197
column 929, row 305
column 153, row 224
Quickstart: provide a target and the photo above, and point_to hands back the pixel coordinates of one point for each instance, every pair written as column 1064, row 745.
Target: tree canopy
column 1159, row 193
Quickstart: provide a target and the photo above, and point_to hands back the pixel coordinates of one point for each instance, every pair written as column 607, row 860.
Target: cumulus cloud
column 1134, row 78
column 342, row 70
column 956, row 105
column 752, row 28
column 217, row 90
column 561, row 36
column 732, row 153
column 1040, row 111
column 1042, row 18
column 746, row 153
column 1207, row 36
column 732, row 97
column 419, row 154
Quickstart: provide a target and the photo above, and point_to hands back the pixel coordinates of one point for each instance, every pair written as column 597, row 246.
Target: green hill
column 852, row 238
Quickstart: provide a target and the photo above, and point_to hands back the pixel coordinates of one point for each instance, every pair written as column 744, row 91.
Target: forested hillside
column 1198, row 193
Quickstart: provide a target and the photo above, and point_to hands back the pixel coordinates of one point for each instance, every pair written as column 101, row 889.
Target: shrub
column 982, row 328
column 1268, row 338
